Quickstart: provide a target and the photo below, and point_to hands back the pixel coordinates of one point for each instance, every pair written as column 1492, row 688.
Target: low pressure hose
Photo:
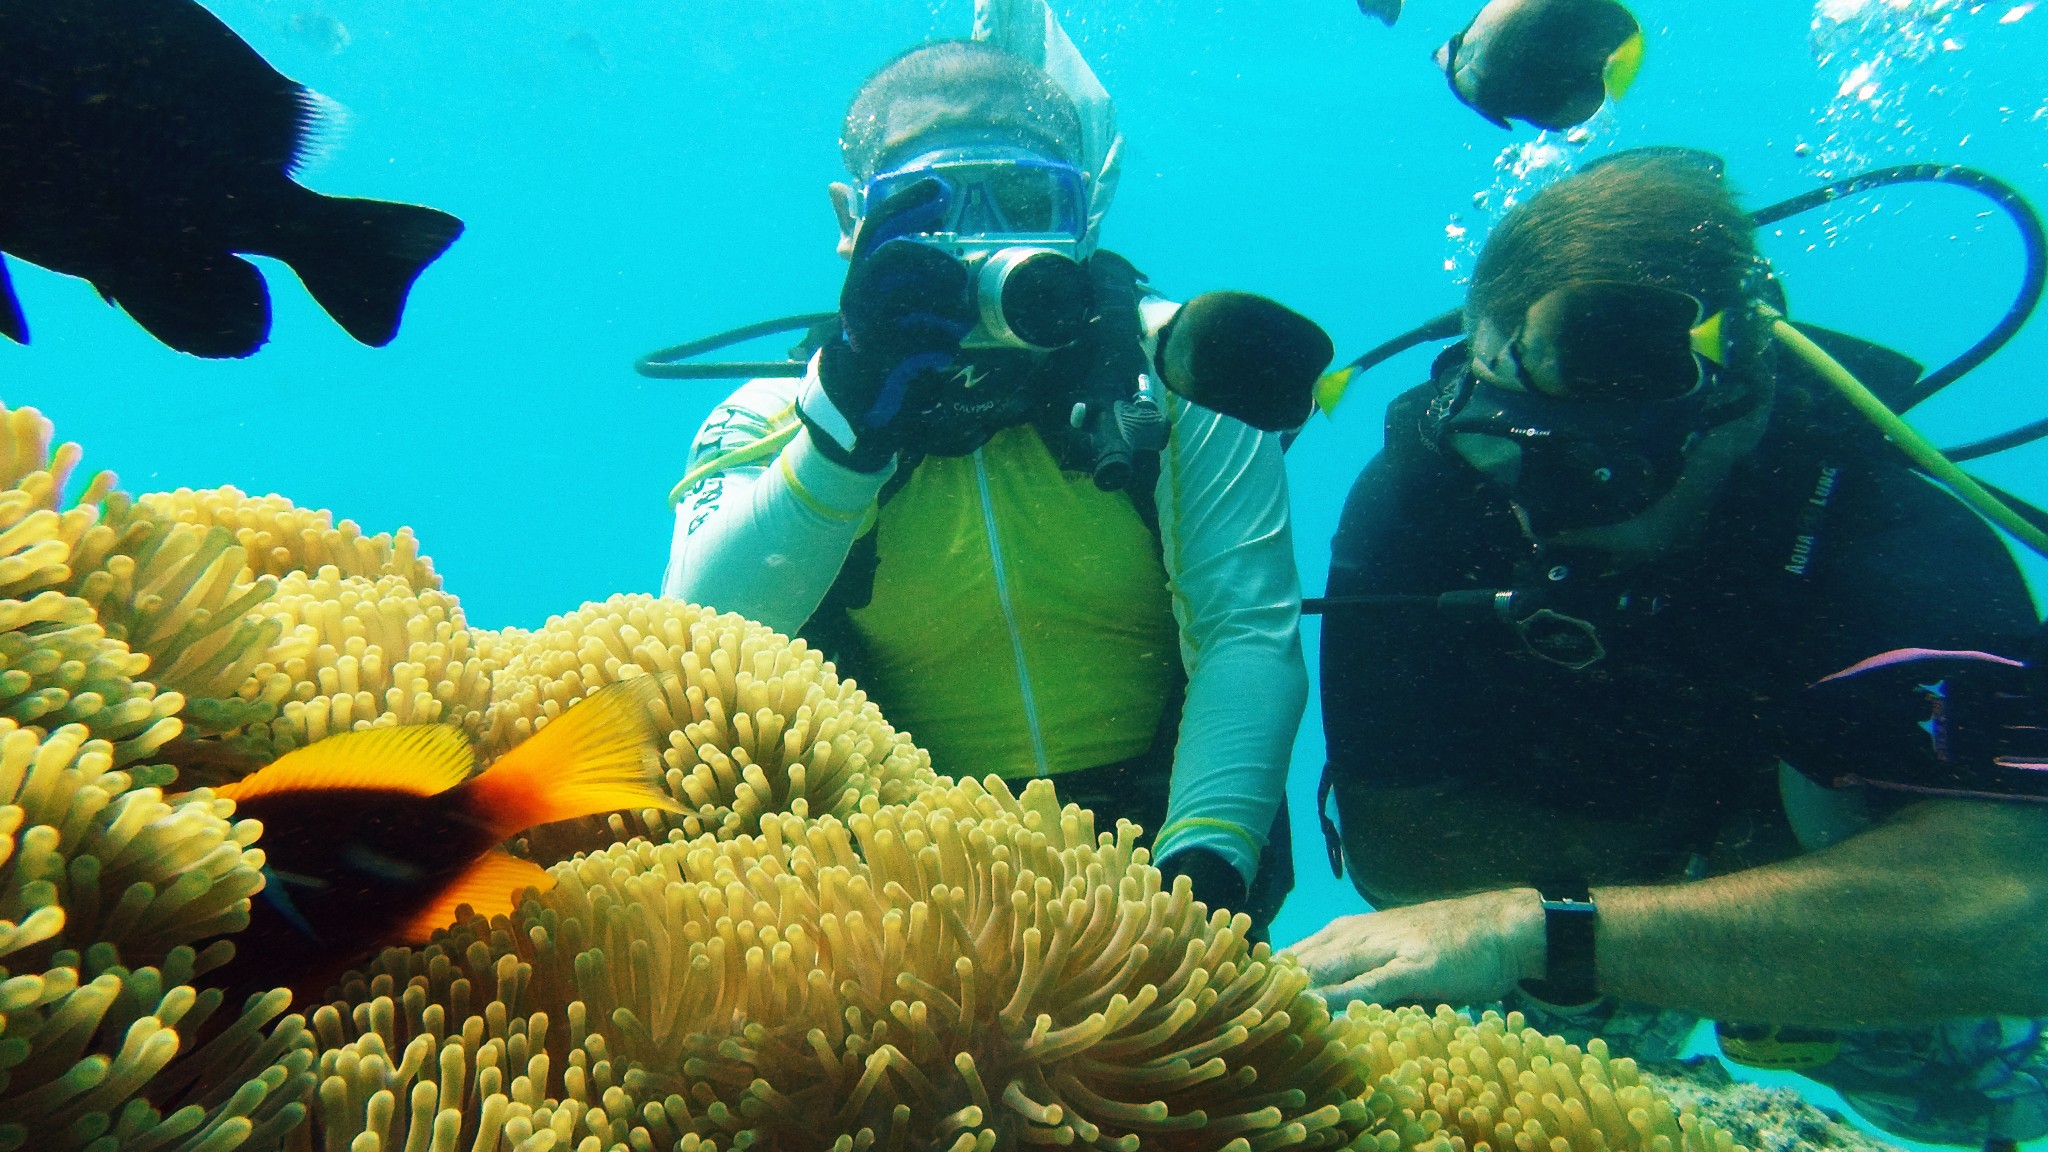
column 1924, row 455
column 2032, row 279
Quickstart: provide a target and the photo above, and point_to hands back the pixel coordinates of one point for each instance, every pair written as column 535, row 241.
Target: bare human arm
column 1939, row 913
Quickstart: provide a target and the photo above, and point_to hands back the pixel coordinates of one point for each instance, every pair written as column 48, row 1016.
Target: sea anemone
column 176, row 593
column 972, row 970
column 1444, row 1082
column 281, row 538
column 98, row 868
column 58, row 665
column 757, row 723
column 353, row 652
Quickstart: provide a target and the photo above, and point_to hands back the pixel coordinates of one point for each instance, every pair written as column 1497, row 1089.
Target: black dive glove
column 1216, row 881
column 1924, row 721
column 904, row 309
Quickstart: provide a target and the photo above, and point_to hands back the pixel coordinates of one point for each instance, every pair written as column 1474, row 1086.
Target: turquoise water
column 636, row 173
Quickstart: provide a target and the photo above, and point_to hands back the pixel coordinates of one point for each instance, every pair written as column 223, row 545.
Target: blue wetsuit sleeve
column 1229, row 551
column 767, row 538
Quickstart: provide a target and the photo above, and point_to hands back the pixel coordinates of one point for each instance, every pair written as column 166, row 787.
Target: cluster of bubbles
column 1883, row 60
column 1519, row 172
column 1877, row 54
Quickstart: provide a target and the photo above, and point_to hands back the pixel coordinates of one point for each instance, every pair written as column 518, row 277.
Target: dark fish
column 143, row 144
column 1385, row 11
column 1245, row 356
column 373, row 837
column 1552, row 63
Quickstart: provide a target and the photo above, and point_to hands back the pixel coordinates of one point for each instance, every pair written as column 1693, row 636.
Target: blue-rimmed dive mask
column 997, row 193
column 1015, row 218
column 1589, row 408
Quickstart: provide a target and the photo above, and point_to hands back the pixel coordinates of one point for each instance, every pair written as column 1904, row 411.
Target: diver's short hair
column 1663, row 217
column 959, row 84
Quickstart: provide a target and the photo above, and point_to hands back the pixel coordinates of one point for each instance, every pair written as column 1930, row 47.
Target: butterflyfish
column 1552, row 63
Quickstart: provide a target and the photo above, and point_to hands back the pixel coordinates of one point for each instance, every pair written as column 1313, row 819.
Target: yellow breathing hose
column 1925, row 455
column 779, row 436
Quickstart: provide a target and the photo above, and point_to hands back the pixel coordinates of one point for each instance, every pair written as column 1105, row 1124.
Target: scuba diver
column 1659, row 686
column 978, row 500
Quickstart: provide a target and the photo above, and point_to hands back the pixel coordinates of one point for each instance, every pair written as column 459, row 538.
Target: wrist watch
column 1569, row 974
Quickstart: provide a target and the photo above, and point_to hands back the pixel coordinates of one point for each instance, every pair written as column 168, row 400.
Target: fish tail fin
column 359, row 258
column 1710, row 338
column 13, row 324
column 600, row 756
column 1385, row 11
column 210, row 304
column 1331, row 388
column 1623, row 67
column 487, row 886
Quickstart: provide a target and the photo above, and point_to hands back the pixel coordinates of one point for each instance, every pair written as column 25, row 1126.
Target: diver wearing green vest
column 1033, row 576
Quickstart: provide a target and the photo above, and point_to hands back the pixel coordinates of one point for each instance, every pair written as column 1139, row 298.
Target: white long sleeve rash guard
column 767, row 540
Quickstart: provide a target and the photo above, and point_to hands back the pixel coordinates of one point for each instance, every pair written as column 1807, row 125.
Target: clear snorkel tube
column 1028, row 30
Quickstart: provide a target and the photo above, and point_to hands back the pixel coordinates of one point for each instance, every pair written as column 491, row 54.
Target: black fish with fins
column 143, row 144
column 1552, row 63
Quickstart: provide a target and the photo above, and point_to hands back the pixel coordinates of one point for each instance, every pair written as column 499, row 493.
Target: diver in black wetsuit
column 1580, row 722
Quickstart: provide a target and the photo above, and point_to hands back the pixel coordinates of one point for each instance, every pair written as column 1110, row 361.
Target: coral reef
column 1765, row 1119
column 757, row 724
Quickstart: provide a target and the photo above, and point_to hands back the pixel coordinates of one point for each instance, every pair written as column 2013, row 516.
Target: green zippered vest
column 1020, row 621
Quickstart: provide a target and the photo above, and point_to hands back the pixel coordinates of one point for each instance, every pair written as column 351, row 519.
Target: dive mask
column 1602, row 391
column 1017, row 220
column 997, row 191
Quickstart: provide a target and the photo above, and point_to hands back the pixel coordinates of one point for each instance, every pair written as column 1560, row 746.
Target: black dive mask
column 1604, row 390
column 1583, row 464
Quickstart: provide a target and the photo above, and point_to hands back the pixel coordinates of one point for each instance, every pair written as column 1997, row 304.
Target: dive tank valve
column 1120, row 430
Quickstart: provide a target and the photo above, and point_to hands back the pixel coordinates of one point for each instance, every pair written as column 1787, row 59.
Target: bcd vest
column 1018, row 619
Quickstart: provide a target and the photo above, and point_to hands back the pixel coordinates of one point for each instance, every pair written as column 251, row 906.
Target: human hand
column 904, row 308
column 1470, row 950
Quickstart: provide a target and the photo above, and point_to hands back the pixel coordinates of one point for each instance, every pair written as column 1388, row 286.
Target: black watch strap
column 1569, row 974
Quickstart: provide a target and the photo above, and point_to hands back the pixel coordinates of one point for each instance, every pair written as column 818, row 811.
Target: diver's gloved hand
column 903, row 311
column 1926, row 720
column 1216, row 881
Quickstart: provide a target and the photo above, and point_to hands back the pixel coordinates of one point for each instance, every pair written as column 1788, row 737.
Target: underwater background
column 636, row 173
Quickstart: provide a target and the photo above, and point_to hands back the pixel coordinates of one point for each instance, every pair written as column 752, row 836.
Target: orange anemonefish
column 374, row 837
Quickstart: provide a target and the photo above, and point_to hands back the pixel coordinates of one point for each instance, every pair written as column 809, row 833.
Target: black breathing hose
column 667, row 364
column 2023, row 217
column 2007, row 198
